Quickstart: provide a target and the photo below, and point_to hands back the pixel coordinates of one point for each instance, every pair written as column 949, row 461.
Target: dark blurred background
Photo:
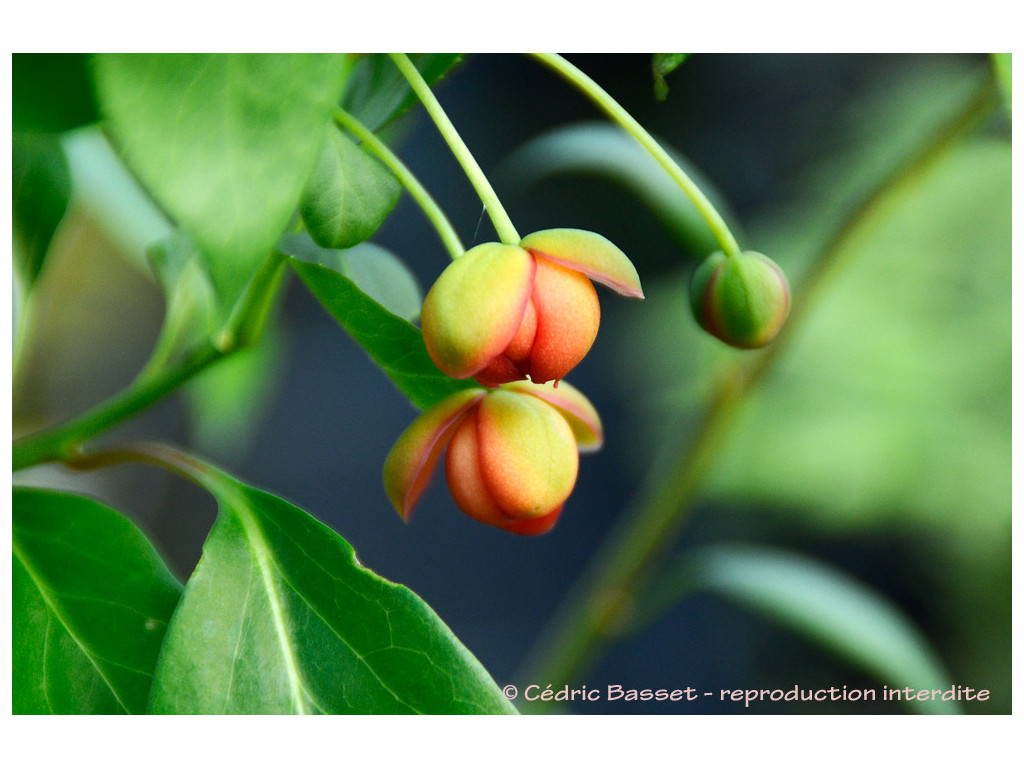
column 879, row 444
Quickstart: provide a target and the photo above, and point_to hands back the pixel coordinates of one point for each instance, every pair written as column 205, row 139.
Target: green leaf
column 226, row 401
column 51, row 92
column 828, row 607
column 904, row 372
column 112, row 196
column 890, row 405
column 91, row 603
column 41, row 190
column 376, row 271
column 280, row 617
column 377, row 92
column 224, row 142
column 393, row 343
column 1002, row 64
column 663, row 64
column 190, row 315
column 604, row 150
column 348, row 196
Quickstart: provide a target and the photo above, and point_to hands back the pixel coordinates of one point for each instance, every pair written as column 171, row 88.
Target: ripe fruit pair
column 503, row 314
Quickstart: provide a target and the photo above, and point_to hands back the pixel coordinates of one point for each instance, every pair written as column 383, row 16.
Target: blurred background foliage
column 879, row 443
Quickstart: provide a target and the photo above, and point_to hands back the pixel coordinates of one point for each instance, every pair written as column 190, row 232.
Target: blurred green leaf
column 112, row 196
column 828, row 607
column 51, row 92
column 41, row 190
column 892, row 401
column 376, row 271
column 887, row 413
column 91, row 603
column 858, row 149
column 1002, row 63
column 190, row 315
column 224, row 142
column 348, row 196
column 606, row 151
column 225, row 402
column 392, row 342
column 663, row 64
column 376, row 91
column 280, row 617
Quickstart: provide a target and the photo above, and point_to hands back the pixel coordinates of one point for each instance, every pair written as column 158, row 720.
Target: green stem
column 502, row 223
column 601, row 605
column 614, row 110
column 161, row 455
column 156, row 454
column 427, row 203
column 60, row 442
column 250, row 314
column 158, row 378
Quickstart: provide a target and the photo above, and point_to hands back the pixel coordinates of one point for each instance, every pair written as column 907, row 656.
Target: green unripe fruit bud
column 742, row 300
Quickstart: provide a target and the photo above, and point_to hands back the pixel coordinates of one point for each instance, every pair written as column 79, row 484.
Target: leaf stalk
column 61, row 442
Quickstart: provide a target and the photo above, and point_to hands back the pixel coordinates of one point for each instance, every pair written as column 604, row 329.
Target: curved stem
column 615, row 111
column 502, row 223
column 59, row 443
column 600, row 606
column 158, row 378
column 416, row 190
column 161, row 455
column 250, row 315
column 157, row 454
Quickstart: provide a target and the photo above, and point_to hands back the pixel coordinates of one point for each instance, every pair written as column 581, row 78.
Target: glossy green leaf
column 348, row 195
column 377, row 92
column 41, row 189
column 280, row 617
column 51, row 92
column 393, row 343
column 91, row 603
column 604, row 150
column 663, row 64
column 826, row 606
column 224, row 142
